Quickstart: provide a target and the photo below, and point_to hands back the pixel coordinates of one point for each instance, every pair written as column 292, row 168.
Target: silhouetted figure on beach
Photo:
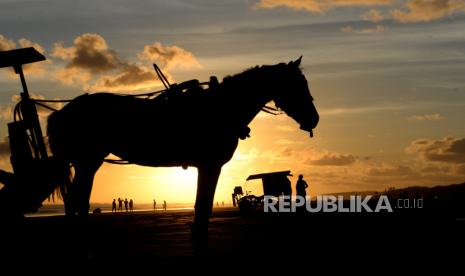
column 113, row 206
column 164, row 205
column 126, row 202
column 154, row 204
column 222, row 203
column 120, row 205
column 131, row 205
column 301, row 186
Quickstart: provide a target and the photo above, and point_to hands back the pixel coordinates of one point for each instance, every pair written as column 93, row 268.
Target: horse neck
column 247, row 98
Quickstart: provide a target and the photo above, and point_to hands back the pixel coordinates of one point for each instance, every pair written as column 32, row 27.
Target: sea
column 59, row 209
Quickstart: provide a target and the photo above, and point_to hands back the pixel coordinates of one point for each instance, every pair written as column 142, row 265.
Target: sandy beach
column 163, row 237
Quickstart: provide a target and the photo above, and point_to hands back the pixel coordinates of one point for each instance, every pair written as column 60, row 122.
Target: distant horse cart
column 187, row 124
column 274, row 184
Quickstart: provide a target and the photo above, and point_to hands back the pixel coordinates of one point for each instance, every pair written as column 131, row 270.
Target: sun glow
column 144, row 184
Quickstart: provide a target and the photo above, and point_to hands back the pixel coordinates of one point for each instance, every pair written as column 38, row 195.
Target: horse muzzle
column 308, row 129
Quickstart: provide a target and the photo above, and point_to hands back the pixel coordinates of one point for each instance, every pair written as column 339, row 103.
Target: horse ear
column 296, row 63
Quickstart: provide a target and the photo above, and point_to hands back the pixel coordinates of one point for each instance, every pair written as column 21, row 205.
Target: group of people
column 301, row 187
column 163, row 206
column 128, row 205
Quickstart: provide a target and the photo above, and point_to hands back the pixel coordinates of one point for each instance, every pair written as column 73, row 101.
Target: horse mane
column 258, row 70
column 248, row 77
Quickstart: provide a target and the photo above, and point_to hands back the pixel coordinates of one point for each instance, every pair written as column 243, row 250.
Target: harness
column 170, row 93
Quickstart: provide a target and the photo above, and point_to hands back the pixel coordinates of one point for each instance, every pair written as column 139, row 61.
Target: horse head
column 292, row 95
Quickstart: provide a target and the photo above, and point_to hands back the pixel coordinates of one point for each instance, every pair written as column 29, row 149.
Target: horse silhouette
column 199, row 128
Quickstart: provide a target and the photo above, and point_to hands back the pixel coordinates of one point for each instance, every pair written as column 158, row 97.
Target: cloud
column 288, row 142
column 333, row 159
column 285, row 128
column 398, row 170
column 374, row 30
column 460, row 169
column 169, row 56
column 359, row 109
column 131, row 76
column 9, row 44
column 317, row 6
column 427, row 117
column 448, row 149
column 409, row 11
column 373, row 16
column 427, row 10
column 4, row 148
column 6, row 44
column 434, row 169
column 89, row 52
column 93, row 64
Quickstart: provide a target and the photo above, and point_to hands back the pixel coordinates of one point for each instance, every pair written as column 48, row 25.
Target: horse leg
column 206, row 186
column 82, row 184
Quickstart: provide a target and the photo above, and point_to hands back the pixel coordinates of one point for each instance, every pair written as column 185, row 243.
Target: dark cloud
column 448, row 149
column 89, row 52
column 90, row 62
column 332, row 159
column 130, row 77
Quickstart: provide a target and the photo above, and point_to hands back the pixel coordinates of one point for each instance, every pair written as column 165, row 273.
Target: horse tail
column 56, row 138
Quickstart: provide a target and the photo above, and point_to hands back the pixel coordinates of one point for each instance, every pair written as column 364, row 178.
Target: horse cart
column 36, row 173
column 274, row 184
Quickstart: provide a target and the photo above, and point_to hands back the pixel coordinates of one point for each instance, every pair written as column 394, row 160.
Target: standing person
column 131, row 205
column 154, row 204
column 126, row 204
column 120, row 205
column 164, row 205
column 113, row 206
column 300, row 186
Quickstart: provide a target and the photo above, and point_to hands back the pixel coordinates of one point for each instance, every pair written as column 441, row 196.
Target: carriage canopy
column 274, row 183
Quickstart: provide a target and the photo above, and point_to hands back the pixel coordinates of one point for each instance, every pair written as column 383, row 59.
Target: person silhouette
column 113, row 206
column 222, row 203
column 164, row 205
column 300, row 186
column 131, row 205
column 126, row 204
column 154, row 204
column 120, row 205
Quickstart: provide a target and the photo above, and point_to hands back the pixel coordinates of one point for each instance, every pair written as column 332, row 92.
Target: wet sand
column 163, row 237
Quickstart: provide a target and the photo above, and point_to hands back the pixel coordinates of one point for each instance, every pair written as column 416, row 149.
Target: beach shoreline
column 164, row 236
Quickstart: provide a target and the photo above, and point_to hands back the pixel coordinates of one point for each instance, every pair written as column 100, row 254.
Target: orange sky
column 387, row 78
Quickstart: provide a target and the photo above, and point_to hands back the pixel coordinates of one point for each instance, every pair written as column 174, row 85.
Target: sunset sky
column 387, row 77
